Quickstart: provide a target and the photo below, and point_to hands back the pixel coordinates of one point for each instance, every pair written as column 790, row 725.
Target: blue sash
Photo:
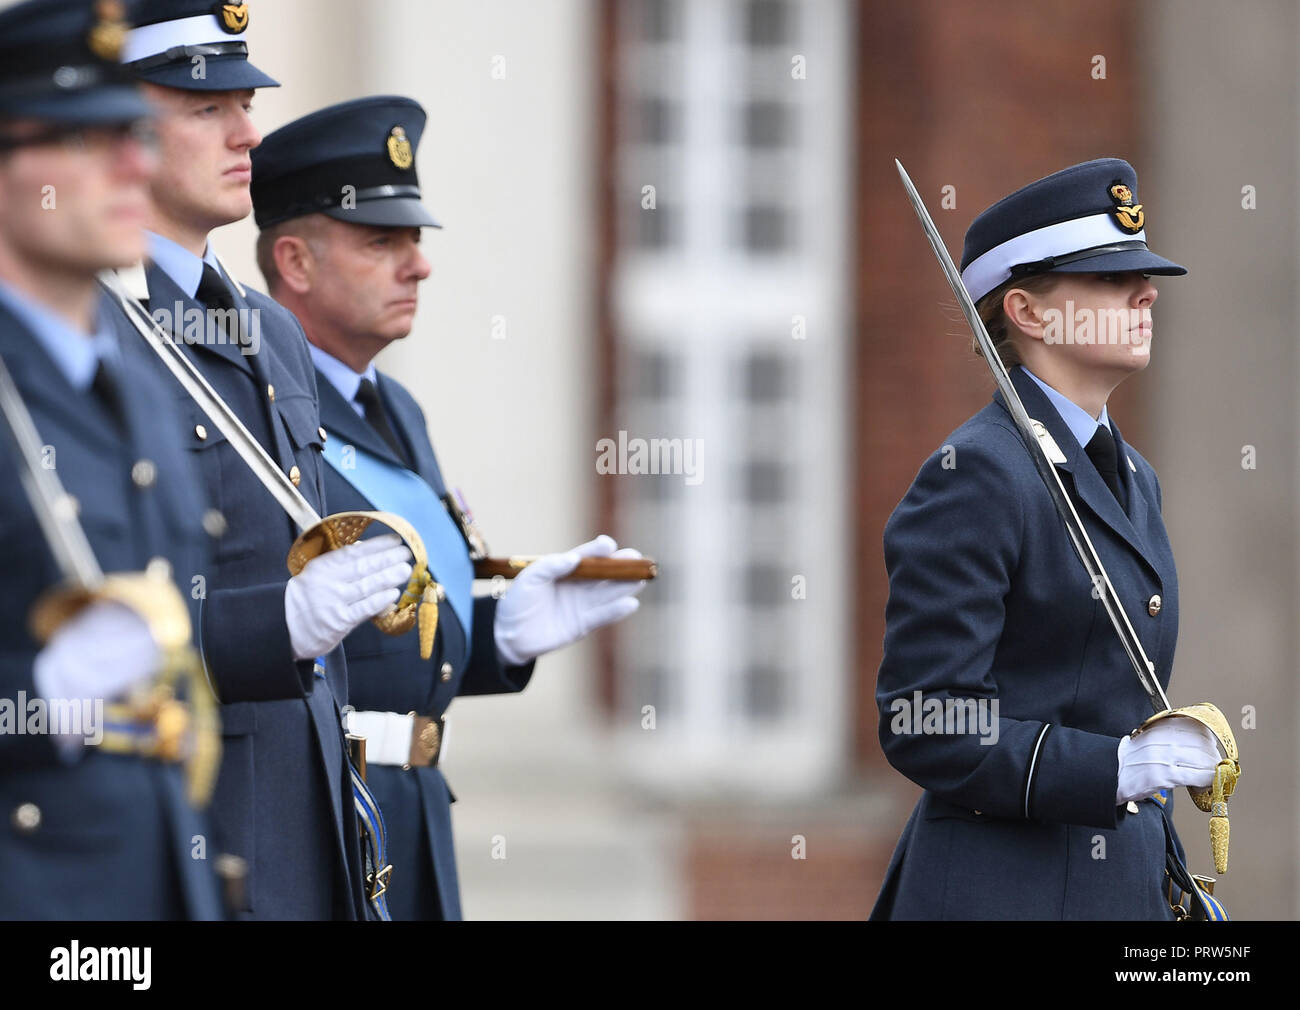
column 393, row 488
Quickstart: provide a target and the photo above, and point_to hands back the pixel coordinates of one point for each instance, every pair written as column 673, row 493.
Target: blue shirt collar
column 181, row 265
column 75, row 354
column 1082, row 425
column 341, row 376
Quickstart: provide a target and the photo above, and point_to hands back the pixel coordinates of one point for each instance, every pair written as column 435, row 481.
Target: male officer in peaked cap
column 338, row 200
column 988, row 601
column 95, row 822
column 284, row 798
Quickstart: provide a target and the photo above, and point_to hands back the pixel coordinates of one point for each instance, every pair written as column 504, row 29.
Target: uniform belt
column 410, row 740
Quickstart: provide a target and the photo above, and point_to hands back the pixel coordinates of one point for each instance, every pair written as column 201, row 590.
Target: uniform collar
column 342, row 377
column 181, row 265
column 76, row 354
column 1082, row 425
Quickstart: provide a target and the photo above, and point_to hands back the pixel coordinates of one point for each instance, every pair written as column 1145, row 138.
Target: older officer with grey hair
column 337, row 197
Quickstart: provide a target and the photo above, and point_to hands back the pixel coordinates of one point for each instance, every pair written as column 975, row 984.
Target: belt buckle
column 426, row 741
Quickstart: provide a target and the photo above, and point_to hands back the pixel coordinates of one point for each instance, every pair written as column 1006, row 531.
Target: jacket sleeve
column 245, row 645
column 952, row 548
column 245, row 635
column 18, row 747
column 486, row 674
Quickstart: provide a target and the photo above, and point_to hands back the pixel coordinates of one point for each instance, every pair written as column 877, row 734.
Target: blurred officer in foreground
column 96, row 824
column 338, row 201
column 284, row 798
column 1045, row 807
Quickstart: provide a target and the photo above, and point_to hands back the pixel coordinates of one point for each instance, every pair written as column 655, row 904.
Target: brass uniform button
column 26, row 818
column 446, row 672
column 1154, row 604
column 201, row 432
column 270, row 392
column 214, row 523
column 295, row 475
column 321, row 432
column 144, row 473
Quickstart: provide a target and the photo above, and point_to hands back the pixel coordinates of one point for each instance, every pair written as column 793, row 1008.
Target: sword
column 1142, row 666
column 488, row 567
column 418, row 603
column 201, row 392
column 54, row 507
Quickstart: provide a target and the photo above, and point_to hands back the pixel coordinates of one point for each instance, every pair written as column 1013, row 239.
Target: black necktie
column 368, row 397
column 1101, row 450
column 109, row 391
column 214, row 293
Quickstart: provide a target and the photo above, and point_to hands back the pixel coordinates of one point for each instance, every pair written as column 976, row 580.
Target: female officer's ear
column 1024, row 308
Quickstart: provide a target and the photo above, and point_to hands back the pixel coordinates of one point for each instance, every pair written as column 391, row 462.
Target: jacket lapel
column 342, row 421
column 260, row 364
column 1089, row 487
column 41, row 380
column 409, row 425
column 1139, row 508
column 165, row 296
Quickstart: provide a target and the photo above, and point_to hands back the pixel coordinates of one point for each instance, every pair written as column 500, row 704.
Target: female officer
column 1004, row 692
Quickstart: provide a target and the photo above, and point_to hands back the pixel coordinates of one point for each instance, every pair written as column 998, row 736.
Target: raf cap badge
column 108, row 33
column 232, row 17
column 399, row 149
column 1131, row 217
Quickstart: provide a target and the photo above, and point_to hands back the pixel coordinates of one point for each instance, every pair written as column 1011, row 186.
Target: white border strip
column 154, row 39
column 992, row 268
column 1033, row 764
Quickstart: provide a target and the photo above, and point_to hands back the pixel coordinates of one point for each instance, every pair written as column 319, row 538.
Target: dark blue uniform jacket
column 988, row 601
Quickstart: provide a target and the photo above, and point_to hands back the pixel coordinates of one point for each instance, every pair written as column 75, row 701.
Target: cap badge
column 108, row 33
column 1130, row 216
column 233, row 17
column 399, row 149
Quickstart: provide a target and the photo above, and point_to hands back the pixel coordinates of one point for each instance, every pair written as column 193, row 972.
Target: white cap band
column 151, row 40
column 992, row 268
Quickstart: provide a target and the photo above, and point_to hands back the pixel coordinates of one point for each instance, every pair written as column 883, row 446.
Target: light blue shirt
column 1082, row 425
column 75, row 354
column 342, row 378
column 181, row 265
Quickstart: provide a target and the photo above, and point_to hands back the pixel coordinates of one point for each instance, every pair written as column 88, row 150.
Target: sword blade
column 1142, row 666
column 201, row 392
column 55, row 509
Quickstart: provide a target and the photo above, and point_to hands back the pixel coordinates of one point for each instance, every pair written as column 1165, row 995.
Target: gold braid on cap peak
column 1213, row 799
column 185, row 728
column 420, row 596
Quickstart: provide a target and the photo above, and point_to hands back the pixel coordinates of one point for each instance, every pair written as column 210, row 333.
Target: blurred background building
column 679, row 219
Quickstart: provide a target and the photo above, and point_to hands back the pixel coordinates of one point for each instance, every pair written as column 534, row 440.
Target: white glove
column 1173, row 752
column 538, row 613
column 341, row 589
column 99, row 653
